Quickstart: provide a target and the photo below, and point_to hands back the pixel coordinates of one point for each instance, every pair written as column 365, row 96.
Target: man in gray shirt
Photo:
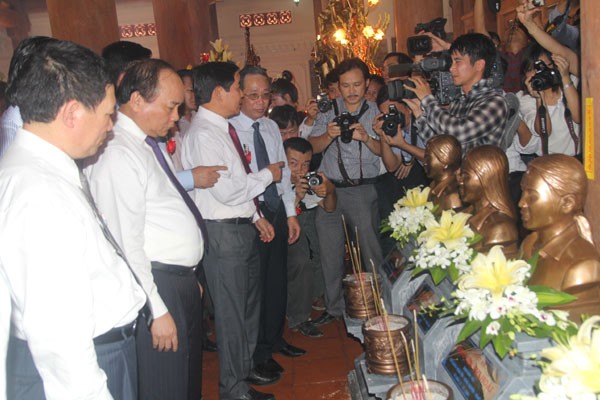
column 351, row 161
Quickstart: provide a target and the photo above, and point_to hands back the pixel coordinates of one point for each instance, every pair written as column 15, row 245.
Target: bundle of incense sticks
column 419, row 385
column 356, row 262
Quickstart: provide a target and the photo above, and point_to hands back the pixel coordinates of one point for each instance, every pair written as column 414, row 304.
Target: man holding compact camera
column 476, row 117
column 351, row 161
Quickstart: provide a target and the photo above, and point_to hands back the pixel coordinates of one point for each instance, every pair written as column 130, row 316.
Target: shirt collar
column 213, row 117
column 128, row 125
column 556, row 246
column 244, row 121
column 49, row 153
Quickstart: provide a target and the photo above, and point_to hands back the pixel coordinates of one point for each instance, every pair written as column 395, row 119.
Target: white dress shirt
column 67, row 283
column 208, row 142
column 10, row 123
column 560, row 140
column 274, row 145
column 5, row 309
column 142, row 207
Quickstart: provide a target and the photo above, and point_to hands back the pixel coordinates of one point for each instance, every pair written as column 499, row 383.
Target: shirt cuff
column 186, row 178
column 158, row 306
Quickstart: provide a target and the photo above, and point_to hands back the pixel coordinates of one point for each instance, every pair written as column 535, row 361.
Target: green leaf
column 453, row 273
column 533, row 261
column 468, row 329
column 548, row 296
column 484, row 338
column 475, row 239
column 438, row 275
column 501, row 345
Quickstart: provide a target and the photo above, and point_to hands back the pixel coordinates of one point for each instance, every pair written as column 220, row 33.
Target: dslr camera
column 545, row 77
column 323, row 102
column 344, row 121
column 391, row 120
column 538, row 3
column 313, row 179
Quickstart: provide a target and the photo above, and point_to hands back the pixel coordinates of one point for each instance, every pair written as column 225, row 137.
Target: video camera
column 391, row 120
column 435, row 68
column 545, row 77
column 436, row 27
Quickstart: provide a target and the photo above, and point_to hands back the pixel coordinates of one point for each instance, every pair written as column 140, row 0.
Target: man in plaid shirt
column 479, row 115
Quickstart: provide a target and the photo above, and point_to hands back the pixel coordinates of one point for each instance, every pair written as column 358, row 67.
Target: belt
column 172, row 269
column 233, row 221
column 116, row 334
column 364, row 181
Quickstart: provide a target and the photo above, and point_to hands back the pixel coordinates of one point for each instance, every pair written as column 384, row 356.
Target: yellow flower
column 373, row 2
column 416, row 197
column 340, row 35
column 579, row 359
column 449, row 231
column 368, row 31
column 493, row 272
column 217, row 45
column 379, row 35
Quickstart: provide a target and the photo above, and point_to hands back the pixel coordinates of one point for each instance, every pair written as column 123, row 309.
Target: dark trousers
column 273, row 276
column 168, row 374
column 117, row 360
column 232, row 269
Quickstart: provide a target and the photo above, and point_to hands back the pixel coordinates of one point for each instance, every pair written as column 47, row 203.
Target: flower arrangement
column 345, row 32
column 220, row 51
column 410, row 213
column 444, row 246
column 571, row 369
column 494, row 298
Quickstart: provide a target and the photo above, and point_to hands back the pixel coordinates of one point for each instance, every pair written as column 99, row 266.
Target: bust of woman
column 483, row 184
column 442, row 160
column 554, row 191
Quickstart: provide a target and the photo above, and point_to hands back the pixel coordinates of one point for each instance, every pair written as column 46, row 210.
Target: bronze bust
column 483, row 184
column 442, row 160
column 554, row 191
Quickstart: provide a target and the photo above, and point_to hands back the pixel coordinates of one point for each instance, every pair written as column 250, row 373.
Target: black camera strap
column 569, row 121
column 543, row 127
column 340, row 161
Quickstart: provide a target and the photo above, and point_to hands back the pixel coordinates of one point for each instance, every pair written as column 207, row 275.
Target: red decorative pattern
column 266, row 18
column 137, row 30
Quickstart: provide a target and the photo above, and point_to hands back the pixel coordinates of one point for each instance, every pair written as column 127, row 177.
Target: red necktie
column 238, row 146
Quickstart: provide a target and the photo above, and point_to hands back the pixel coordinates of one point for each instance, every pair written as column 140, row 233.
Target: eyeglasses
column 256, row 96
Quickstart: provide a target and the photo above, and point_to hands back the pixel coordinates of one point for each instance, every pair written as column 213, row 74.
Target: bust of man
column 554, row 190
column 442, row 160
column 483, row 184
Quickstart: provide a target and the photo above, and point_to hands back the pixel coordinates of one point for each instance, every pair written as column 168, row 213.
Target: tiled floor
column 320, row 374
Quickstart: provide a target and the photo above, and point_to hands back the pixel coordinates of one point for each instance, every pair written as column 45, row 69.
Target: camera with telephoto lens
column 391, row 120
column 538, row 3
column 545, row 77
column 323, row 102
column 344, row 121
column 313, row 179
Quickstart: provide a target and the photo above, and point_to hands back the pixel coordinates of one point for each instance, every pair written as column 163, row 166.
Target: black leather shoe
column 292, row 351
column 324, row 319
column 256, row 395
column 272, row 365
column 209, row 346
column 261, row 376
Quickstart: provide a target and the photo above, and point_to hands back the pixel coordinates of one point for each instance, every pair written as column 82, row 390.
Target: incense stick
column 385, row 321
column 377, row 293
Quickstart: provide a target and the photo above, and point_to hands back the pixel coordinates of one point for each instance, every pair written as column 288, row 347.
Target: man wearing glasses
column 262, row 144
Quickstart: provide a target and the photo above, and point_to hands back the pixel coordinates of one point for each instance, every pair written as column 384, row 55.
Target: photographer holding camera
column 305, row 278
column 351, row 161
column 479, row 115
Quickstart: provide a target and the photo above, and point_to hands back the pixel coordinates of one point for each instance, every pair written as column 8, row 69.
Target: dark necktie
column 238, row 147
column 262, row 160
column 184, row 195
column 85, row 188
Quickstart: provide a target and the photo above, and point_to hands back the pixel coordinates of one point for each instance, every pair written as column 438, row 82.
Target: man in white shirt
column 260, row 137
column 161, row 236
column 231, row 263
column 74, row 300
